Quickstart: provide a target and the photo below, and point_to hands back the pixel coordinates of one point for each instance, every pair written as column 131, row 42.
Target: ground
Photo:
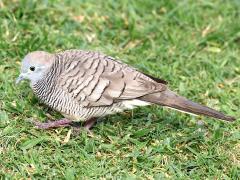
column 193, row 44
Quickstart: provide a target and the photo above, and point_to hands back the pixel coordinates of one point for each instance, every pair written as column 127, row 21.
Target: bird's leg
column 89, row 123
column 52, row 124
column 87, row 126
column 66, row 123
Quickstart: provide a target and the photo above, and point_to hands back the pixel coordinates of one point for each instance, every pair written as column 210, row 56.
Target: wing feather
column 94, row 79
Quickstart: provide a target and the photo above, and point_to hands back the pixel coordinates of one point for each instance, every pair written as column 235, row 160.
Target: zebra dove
column 84, row 85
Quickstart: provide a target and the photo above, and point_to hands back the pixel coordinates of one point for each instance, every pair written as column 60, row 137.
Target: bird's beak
column 20, row 78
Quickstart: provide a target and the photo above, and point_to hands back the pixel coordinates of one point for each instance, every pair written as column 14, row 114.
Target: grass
column 193, row 44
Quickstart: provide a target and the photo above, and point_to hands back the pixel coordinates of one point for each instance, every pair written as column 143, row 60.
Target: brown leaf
column 67, row 138
column 207, row 31
column 79, row 18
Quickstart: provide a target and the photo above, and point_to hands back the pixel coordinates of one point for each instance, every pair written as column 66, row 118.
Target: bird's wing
column 93, row 79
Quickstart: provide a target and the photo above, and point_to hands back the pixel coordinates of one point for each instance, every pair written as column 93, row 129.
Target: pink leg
column 52, row 124
column 87, row 126
column 66, row 123
column 89, row 123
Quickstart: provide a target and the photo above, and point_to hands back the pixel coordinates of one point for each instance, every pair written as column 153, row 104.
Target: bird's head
column 35, row 65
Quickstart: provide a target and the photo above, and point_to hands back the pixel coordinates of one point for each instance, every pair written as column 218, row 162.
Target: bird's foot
column 78, row 130
column 52, row 124
column 87, row 126
column 66, row 123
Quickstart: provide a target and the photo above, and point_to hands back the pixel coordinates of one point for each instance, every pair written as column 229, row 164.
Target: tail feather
column 172, row 100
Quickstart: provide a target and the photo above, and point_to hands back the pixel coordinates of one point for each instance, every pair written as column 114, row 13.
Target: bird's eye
column 32, row 68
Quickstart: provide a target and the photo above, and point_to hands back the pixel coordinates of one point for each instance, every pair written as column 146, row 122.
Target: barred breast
column 85, row 84
column 60, row 101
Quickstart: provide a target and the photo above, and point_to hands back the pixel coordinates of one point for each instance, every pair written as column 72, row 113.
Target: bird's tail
column 172, row 100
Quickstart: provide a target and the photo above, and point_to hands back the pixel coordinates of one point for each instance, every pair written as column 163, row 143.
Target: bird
column 85, row 85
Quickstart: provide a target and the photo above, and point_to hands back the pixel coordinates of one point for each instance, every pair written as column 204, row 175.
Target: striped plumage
column 85, row 84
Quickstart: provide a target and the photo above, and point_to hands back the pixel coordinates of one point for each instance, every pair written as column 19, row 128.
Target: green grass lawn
column 193, row 44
